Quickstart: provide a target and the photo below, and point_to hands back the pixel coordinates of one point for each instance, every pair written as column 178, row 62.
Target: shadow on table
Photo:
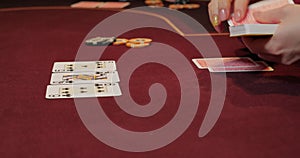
column 258, row 83
column 285, row 81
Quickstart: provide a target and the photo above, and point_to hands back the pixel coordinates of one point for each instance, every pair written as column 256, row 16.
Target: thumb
column 273, row 16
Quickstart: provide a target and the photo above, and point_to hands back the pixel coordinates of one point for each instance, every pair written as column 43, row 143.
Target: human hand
column 284, row 45
column 220, row 10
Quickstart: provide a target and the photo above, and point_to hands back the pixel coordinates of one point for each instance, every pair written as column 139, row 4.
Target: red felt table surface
column 260, row 117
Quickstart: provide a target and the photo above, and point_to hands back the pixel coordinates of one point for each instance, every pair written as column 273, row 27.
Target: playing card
column 264, row 5
column 204, row 63
column 80, row 66
column 83, row 90
column 109, row 5
column 85, row 77
column 100, row 41
column 262, row 66
column 86, row 4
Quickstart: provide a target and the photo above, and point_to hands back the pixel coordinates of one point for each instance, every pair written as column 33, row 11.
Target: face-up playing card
column 109, row 5
column 86, row 4
column 100, row 41
column 259, row 6
column 93, row 4
column 83, row 90
column 85, row 77
column 90, row 66
column 204, row 63
column 262, row 66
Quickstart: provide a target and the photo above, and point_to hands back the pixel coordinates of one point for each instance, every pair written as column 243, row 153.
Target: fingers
column 259, row 46
column 224, row 9
column 214, row 13
column 269, row 57
column 290, row 60
column 219, row 11
column 256, row 45
column 269, row 17
column 286, row 59
column 240, row 9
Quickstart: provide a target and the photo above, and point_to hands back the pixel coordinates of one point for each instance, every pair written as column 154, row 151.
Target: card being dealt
column 204, row 63
column 83, row 90
column 262, row 66
column 85, row 77
column 81, row 66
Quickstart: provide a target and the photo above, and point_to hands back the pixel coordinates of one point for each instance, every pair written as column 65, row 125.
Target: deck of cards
column 249, row 26
column 83, row 79
column 231, row 64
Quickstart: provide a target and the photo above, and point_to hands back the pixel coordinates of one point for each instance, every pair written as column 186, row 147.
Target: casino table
column 174, row 109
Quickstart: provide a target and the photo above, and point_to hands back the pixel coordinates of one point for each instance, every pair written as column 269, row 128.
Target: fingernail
column 237, row 15
column 215, row 20
column 223, row 14
column 218, row 29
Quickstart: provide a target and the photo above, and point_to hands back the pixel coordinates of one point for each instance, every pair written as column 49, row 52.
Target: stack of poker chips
column 132, row 43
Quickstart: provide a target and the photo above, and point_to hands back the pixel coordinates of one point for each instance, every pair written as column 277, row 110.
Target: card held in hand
column 249, row 26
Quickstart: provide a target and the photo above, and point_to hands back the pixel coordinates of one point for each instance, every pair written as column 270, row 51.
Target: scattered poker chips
column 154, row 3
column 184, row 6
column 105, row 41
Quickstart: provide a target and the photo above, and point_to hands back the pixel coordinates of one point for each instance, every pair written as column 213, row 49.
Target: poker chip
column 120, row 41
column 176, row 6
column 100, row 41
column 157, row 5
column 140, row 40
column 154, row 3
column 137, row 45
column 191, row 6
column 151, row 2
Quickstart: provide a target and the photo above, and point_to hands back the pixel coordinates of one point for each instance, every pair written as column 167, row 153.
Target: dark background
column 31, row 3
